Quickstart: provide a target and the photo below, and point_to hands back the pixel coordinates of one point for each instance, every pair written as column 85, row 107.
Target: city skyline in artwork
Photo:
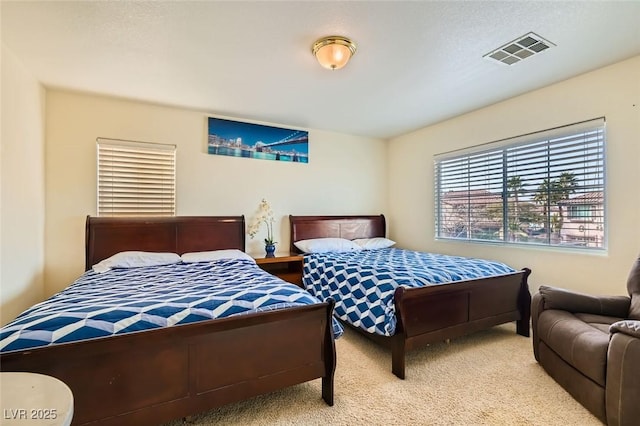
column 248, row 140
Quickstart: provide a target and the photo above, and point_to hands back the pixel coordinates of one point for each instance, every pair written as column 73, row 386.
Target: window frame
column 479, row 177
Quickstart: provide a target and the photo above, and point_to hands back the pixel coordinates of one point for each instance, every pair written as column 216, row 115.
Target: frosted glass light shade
column 333, row 52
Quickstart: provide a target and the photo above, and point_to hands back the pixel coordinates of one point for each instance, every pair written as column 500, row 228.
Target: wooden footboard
column 440, row 312
column 154, row 376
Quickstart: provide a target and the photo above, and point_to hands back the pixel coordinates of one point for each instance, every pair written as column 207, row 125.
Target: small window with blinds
column 545, row 188
column 136, row 178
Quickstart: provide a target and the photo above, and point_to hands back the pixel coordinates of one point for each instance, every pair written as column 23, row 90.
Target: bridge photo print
column 238, row 139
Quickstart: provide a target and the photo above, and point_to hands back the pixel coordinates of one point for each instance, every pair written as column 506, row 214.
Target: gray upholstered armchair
column 590, row 345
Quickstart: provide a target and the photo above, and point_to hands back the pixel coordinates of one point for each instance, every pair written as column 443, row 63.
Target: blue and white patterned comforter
column 127, row 300
column 362, row 283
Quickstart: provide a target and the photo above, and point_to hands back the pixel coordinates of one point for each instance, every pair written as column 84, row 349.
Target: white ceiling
column 418, row 62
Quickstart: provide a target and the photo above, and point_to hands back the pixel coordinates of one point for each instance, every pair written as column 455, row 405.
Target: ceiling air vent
column 519, row 49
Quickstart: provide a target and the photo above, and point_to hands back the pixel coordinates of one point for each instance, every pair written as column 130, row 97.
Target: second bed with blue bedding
column 404, row 299
column 363, row 282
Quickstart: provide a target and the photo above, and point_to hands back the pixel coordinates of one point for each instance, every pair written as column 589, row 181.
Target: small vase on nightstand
column 270, row 250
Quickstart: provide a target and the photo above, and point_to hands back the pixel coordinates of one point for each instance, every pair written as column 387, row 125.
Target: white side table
column 28, row 399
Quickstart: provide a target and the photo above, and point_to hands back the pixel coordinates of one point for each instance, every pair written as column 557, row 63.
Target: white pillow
column 374, row 243
column 135, row 259
column 323, row 245
column 208, row 256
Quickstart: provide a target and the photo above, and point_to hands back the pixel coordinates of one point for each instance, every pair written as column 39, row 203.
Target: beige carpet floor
column 488, row 378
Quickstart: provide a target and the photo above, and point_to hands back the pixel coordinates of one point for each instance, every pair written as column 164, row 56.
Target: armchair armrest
column 628, row 327
column 623, row 377
column 572, row 301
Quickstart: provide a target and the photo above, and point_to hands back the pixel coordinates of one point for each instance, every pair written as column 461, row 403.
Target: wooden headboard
column 106, row 236
column 349, row 227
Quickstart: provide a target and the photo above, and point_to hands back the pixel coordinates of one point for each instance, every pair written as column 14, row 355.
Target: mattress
column 362, row 283
column 129, row 300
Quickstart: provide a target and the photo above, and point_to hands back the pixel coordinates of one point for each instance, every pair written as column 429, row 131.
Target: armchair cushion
column 576, row 342
column 601, row 322
column 572, row 301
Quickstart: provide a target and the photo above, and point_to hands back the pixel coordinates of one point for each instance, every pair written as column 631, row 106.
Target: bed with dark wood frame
column 433, row 313
column 154, row 376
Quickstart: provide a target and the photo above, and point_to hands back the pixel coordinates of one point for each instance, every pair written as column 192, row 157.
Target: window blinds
column 136, row 178
column 542, row 188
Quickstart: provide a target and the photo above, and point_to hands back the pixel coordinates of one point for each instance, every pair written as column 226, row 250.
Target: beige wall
column 613, row 92
column 22, row 214
column 345, row 174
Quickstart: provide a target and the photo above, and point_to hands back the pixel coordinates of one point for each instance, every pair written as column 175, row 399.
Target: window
column 136, row 178
column 541, row 188
column 582, row 212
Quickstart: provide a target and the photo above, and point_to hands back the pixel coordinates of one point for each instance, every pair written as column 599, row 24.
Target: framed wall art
column 238, row 139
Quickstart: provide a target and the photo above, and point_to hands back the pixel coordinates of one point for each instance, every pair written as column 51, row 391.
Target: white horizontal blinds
column 544, row 188
column 485, row 202
column 469, row 195
column 136, row 178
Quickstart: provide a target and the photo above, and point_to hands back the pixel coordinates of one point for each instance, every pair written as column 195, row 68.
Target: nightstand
column 285, row 266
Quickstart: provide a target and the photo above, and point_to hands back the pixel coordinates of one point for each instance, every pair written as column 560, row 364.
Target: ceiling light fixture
column 333, row 52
